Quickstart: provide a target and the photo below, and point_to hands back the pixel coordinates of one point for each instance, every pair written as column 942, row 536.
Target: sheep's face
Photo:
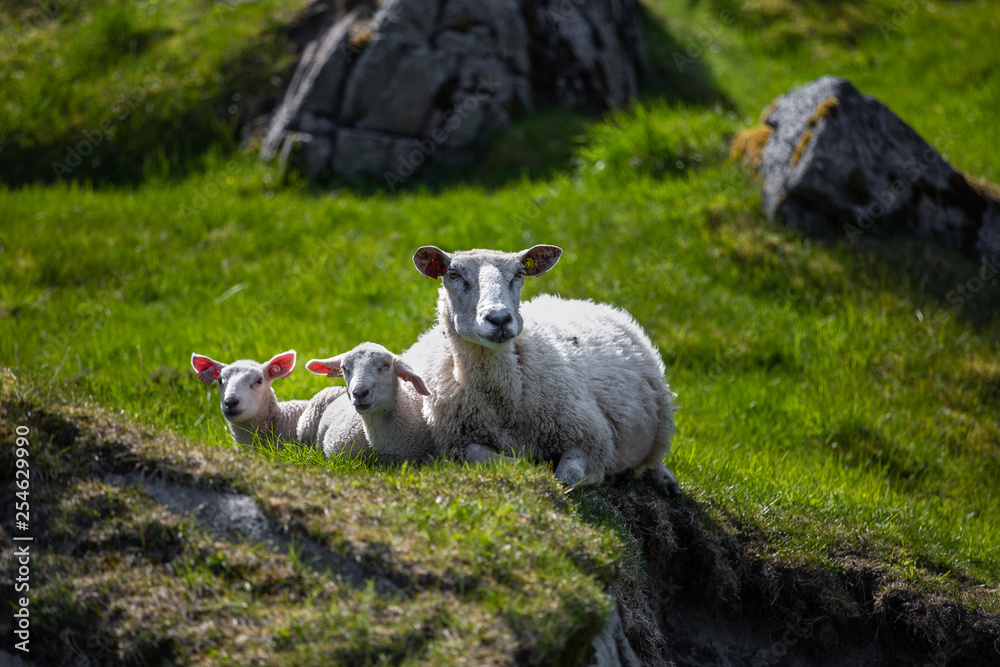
column 371, row 380
column 372, row 374
column 481, row 289
column 245, row 386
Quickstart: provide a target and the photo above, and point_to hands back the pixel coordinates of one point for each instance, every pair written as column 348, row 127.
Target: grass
column 115, row 91
column 838, row 401
column 122, row 571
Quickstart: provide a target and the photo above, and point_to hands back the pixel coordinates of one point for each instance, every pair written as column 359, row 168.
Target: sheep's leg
column 662, row 480
column 572, row 468
column 351, row 449
column 481, row 454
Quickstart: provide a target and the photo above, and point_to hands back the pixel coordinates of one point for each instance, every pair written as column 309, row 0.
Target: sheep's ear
column 539, row 259
column 208, row 370
column 404, row 371
column 280, row 365
column 328, row 367
column 431, row 261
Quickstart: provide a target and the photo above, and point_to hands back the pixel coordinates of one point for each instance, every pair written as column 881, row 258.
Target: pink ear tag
column 275, row 370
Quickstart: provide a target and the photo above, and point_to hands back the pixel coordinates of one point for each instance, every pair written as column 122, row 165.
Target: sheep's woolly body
column 307, row 430
column 276, row 420
column 580, row 376
column 341, row 430
column 399, row 433
column 391, row 424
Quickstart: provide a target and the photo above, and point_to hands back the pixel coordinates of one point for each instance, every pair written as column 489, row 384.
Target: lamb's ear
column 404, row 371
column 539, row 259
column 280, row 365
column 208, row 370
column 328, row 367
column 431, row 261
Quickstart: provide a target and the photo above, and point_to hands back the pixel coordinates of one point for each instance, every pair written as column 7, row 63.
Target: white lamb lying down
column 248, row 401
column 383, row 397
column 570, row 381
column 311, row 421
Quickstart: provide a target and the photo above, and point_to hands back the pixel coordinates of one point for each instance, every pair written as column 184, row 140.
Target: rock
column 11, row 660
column 237, row 516
column 394, row 85
column 611, row 647
column 837, row 161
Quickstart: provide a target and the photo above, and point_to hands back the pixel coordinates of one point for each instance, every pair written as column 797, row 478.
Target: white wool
column 564, row 380
column 308, row 429
column 382, row 399
column 247, row 399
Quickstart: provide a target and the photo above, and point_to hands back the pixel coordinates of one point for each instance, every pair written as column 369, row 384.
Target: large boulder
column 395, row 84
column 837, row 161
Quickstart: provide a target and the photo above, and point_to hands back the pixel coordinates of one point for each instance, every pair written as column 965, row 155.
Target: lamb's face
column 482, row 289
column 372, row 374
column 370, row 377
column 243, row 387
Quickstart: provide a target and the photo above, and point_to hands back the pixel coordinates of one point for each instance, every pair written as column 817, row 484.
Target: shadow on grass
column 677, row 71
column 714, row 592
column 776, row 260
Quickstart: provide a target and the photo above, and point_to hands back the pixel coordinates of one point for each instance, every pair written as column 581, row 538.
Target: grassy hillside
column 839, row 409
column 113, row 91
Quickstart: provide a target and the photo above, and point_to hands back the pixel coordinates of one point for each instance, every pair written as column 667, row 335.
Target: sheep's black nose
column 360, row 393
column 500, row 317
column 232, row 402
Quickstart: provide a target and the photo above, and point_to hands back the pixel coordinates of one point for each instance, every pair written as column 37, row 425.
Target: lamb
column 311, row 427
column 570, row 381
column 390, row 411
column 248, row 400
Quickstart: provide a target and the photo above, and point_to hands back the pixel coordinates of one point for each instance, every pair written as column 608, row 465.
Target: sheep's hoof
column 662, row 480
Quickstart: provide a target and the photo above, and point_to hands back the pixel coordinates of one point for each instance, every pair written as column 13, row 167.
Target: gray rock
column 309, row 151
column 837, row 161
column 397, row 73
column 611, row 647
column 365, row 152
column 237, row 516
column 11, row 660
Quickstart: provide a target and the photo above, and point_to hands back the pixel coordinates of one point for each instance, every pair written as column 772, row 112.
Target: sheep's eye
column 384, row 367
column 454, row 275
column 259, row 381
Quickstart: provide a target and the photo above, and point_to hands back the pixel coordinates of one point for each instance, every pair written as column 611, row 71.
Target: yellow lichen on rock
column 830, row 105
column 800, row 148
column 749, row 144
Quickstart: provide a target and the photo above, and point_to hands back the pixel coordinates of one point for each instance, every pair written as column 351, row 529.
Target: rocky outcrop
column 393, row 85
column 837, row 161
column 611, row 648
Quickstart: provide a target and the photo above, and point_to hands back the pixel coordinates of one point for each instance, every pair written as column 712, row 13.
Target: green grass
column 126, row 577
column 838, row 408
column 114, row 91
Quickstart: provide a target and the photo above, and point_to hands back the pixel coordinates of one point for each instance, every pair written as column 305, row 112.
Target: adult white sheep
column 385, row 392
column 247, row 398
column 564, row 380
